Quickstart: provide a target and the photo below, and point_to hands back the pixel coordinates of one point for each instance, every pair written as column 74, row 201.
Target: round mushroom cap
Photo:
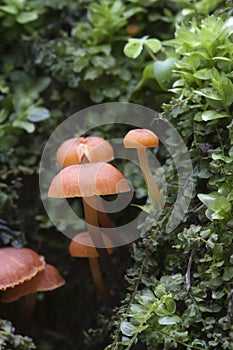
column 83, row 150
column 140, row 138
column 86, row 249
column 18, row 265
column 86, row 180
column 46, row 280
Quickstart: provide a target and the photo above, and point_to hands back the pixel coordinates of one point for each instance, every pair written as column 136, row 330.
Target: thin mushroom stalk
column 30, row 301
column 81, row 246
column 91, row 216
column 151, row 184
column 141, row 139
column 99, row 282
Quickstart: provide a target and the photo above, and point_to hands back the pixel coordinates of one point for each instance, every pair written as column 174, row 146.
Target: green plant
column 180, row 286
column 10, row 340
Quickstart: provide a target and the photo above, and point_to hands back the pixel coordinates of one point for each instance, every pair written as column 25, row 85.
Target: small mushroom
column 83, row 150
column 90, row 149
column 141, row 139
column 22, row 273
column 18, row 266
column 45, row 280
column 85, row 250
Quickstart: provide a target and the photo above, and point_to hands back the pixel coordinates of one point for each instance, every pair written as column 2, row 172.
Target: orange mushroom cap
column 46, row 280
column 140, row 138
column 85, row 180
column 85, row 249
column 18, row 266
column 84, row 149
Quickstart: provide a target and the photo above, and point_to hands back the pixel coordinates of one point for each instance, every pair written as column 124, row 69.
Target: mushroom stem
column 29, row 307
column 99, row 282
column 91, row 216
column 152, row 187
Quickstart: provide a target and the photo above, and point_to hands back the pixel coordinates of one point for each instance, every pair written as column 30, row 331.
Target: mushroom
column 83, row 150
column 85, row 250
column 18, row 265
column 89, row 181
column 20, row 269
column 45, row 280
column 90, row 149
column 142, row 139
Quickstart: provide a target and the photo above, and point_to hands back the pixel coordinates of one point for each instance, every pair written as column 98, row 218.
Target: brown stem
column 29, row 308
column 91, row 216
column 106, row 223
column 99, row 282
column 152, row 187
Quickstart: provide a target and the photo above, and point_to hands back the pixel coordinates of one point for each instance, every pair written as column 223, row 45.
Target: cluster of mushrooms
column 85, row 173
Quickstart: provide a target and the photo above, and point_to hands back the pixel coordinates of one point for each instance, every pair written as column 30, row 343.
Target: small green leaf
column 127, row 328
column 208, row 93
column 228, row 273
column 163, row 72
column 203, row 74
column 224, row 59
column 169, row 320
column 212, row 115
column 27, row 126
column 26, row 17
column 170, row 304
column 37, row 114
column 153, row 44
column 133, row 48
column 9, row 9
column 225, row 159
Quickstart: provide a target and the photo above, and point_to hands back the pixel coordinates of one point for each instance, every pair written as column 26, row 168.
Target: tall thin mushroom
column 141, row 139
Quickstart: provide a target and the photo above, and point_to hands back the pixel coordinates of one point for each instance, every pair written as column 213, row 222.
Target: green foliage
column 9, row 340
column 191, row 267
column 63, row 56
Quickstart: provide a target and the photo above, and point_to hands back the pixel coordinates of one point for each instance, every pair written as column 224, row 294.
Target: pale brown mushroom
column 141, row 139
column 84, row 149
column 80, row 247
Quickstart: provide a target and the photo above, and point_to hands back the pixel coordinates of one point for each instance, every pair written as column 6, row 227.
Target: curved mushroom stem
column 99, row 282
column 91, row 216
column 152, row 187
